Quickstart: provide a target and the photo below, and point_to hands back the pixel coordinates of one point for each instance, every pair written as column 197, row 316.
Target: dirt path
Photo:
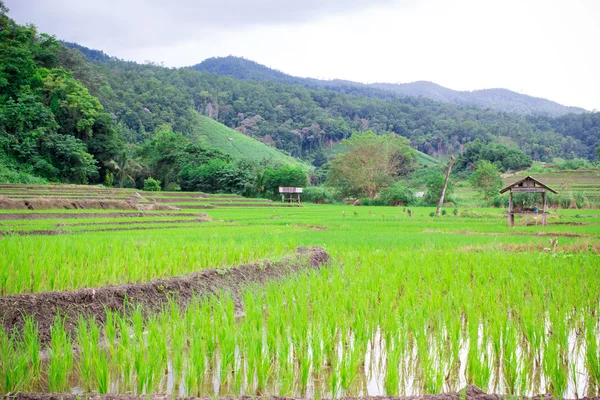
column 151, row 295
column 471, row 393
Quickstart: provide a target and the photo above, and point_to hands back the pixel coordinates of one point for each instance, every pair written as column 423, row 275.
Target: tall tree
column 486, row 179
column 370, row 163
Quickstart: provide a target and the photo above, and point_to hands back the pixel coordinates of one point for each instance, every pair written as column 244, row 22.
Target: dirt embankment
column 471, row 393
column 78, row 204
column 44, row 307
column 80, row 215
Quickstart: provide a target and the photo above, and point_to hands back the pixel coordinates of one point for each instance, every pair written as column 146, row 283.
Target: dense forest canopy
column 301, row 121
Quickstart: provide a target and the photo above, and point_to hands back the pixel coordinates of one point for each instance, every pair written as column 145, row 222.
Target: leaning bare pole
column 439, row 207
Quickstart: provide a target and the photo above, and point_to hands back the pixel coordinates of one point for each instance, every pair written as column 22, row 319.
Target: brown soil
column 199, row 218
column 527, row 248
column 563, row 234
column 205, row 200
column 313, row 227
column 471, row 393
column 29, row 216
column 197, row 207
column 54, row 232
column 44, row 307
column 83, row 204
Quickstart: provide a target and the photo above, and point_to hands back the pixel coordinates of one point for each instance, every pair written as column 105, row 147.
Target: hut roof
column 519, row 183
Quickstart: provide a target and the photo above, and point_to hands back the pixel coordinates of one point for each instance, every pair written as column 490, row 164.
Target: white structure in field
column 292, row 192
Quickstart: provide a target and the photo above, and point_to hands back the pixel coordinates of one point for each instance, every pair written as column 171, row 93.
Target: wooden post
column 544, row 208
column 439, row 207
column 511, row 216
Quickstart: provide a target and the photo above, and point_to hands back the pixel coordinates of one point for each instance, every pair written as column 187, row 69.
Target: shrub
column 151, row 185
column 575, row 163
column 398, row 194
column 319, row 195
column 498, row 201
column 443, row 212
column 109, row 179
column 455, row 211
column 8, row 175
column 172, row 187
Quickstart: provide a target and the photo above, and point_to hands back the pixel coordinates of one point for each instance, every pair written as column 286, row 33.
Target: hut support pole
column 511, row 216
column 544, row 208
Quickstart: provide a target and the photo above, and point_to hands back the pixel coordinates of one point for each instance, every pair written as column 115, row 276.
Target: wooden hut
column 293, row 194
column 527, row 185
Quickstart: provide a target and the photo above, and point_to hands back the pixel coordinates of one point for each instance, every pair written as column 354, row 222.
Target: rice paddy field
column 408, row 305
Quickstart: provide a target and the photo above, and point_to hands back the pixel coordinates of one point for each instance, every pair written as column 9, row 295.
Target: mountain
column 497, row 99
column 304, row 117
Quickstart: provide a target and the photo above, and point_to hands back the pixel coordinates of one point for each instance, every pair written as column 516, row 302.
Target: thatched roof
column 524, row 183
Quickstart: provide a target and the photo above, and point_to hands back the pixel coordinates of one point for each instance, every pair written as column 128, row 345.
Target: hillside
column 240, row 146
column 497, row 99
column 302, row 119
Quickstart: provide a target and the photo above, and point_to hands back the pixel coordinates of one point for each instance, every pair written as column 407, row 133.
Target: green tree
column 124, row 167
column 370, row 163
column 486, row 179
column 435, row 186
column 286, row 176
column 151, row 185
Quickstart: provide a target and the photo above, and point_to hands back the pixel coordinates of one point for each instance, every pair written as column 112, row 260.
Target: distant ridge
column 497, row 99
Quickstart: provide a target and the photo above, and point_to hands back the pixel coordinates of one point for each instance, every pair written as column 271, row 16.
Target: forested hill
column 497, row 99
column 303, row 121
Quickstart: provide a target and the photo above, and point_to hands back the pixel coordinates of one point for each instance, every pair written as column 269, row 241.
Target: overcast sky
column 544, row 48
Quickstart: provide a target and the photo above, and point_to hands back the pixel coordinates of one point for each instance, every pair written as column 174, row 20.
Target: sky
column 543, row 48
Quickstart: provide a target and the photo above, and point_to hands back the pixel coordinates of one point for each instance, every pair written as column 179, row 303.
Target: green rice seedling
column 110, row 331
column 238, row 375
column 334, row 377
column 176, row 340
column 592, row 353
column 555, row 370
column 156, row 357
column 103, row 375
column 317, row 349
column 392, row 372
column 195, row 367
column 125, row 352
column 510, row 359
column 304, row 361
column 87, row 338
column 32, row 348
column 60, row 356
column 16, row 372
column 263, row 369
column 285, row 372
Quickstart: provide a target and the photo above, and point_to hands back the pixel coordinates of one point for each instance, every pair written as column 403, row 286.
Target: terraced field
column 584, row 181
column 408, row 305
column 240, row 146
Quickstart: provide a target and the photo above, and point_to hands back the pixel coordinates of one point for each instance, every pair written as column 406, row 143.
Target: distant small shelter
column 527, row 185
column 290, row 194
